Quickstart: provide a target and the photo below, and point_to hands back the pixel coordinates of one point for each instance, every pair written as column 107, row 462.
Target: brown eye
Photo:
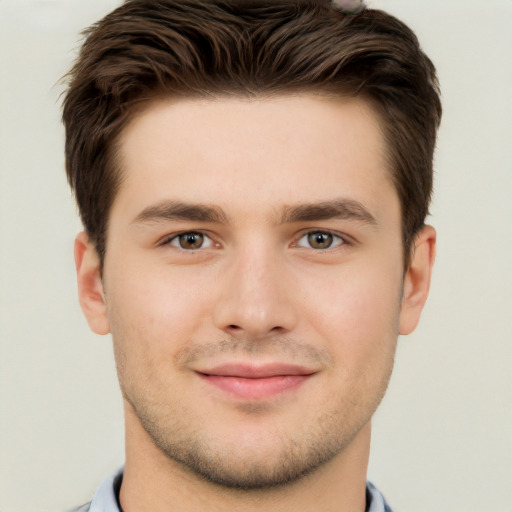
column 191, row 241
column 320, row 240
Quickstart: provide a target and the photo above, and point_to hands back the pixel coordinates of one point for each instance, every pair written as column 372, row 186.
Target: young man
column 253, row 178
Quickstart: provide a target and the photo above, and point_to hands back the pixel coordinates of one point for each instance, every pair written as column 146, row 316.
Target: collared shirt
column 106, row 498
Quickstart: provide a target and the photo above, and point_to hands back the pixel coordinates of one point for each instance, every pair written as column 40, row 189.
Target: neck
column 153, row 482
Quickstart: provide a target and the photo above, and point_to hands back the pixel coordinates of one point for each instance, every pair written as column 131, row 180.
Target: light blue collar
column 104, row 500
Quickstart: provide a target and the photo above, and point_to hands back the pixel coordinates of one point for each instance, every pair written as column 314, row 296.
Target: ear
column 90, row 285
column 417, row 279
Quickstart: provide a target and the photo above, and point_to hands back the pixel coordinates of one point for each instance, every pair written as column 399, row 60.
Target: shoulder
column 106, row 497
column 83, row 508
column 375, row 501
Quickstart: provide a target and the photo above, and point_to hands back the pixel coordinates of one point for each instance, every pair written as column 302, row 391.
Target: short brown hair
column 198, row 48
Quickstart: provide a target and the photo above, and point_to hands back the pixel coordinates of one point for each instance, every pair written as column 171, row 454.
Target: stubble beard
column 293, row 455
column 280, row 456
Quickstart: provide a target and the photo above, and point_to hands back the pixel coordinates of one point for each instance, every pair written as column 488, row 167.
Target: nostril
column 234, row 327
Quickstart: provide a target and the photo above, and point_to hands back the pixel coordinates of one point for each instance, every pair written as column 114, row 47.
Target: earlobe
column 417, row 279
column 90, row 285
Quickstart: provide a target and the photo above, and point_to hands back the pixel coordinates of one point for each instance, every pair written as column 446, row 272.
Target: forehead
column 253, row 152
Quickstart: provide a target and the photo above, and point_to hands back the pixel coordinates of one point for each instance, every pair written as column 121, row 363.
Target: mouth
column 256, row 382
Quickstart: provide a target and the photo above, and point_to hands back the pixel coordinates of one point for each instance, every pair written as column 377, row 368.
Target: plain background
column 442, row 437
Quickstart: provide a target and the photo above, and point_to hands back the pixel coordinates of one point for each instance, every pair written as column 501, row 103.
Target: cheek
column 357, row 312
column 155, row 312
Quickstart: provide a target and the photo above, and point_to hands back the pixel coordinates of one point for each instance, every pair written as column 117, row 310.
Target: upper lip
column 255, row 371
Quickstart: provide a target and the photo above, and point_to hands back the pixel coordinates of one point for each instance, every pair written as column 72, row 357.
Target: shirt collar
column 106, row 497
column 376, row 501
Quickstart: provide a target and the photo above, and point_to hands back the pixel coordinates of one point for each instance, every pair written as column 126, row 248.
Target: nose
column 255, row 296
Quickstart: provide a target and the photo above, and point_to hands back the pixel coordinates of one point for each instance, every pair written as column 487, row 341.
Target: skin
column 252, row 287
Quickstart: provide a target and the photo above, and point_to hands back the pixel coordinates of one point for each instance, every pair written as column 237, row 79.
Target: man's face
column 253, row 282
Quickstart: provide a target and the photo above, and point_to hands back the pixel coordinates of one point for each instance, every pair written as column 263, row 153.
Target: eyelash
column 174, row 240
column 337, row 240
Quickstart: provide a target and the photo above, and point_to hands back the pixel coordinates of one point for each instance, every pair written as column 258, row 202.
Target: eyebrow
column 177, row 210
column 344, row 209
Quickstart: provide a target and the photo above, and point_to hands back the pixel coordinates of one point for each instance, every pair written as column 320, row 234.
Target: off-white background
column 443, row 437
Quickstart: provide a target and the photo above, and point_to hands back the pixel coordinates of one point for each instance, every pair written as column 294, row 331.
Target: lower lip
column 256, row 389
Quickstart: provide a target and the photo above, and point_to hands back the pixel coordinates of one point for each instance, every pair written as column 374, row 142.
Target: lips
column 256, row 382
